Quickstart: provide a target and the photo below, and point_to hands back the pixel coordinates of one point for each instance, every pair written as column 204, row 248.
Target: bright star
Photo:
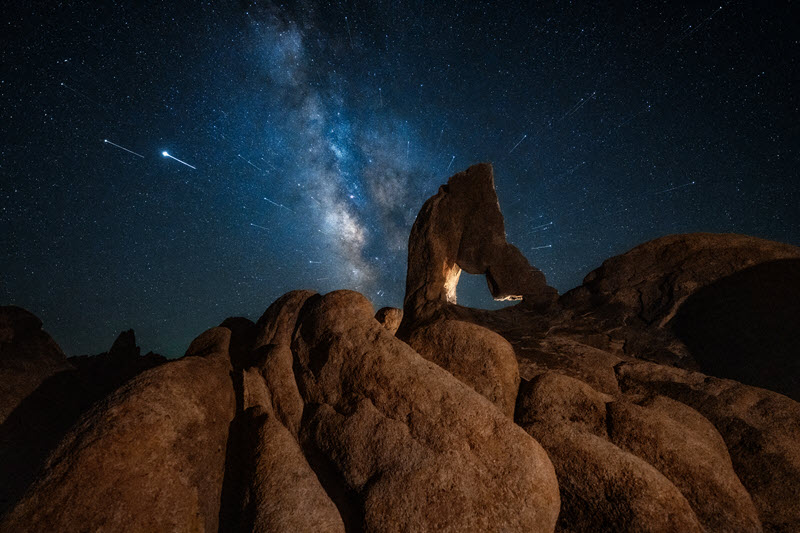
column 166, row 154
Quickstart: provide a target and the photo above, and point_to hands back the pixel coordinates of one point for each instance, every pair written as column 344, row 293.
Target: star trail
column 262, row 147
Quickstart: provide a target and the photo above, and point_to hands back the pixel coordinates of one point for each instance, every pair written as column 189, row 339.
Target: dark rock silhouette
column 105, row 372
column 150, row 457
column 125, row 345
column 29, row 356
column 603, row 410
column 70, row 386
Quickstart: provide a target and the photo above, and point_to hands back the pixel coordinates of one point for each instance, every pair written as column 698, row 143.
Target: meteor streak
column 520, row 142
column 540, row 247
column 123, row 148
column 257, row 226
column 675, row 188
column 248, row 162
column 451, row 164
column 350, row 35
column 166, row 154
column 579, row 105
column 276, row 204
column 543, row 226
column 80, row 94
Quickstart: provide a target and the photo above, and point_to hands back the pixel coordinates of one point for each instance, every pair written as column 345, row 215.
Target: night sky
column 304, row 138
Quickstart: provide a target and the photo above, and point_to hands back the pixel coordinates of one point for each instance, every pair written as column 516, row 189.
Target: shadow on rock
column 33, row 429
column 745, row 326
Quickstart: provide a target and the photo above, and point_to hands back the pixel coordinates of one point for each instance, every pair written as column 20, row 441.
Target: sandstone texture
column 659, row 396
column 390, row 318
column 387, row 419
column 475, row 355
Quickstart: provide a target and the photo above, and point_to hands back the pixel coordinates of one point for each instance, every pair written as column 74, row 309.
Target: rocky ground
column 660, row 395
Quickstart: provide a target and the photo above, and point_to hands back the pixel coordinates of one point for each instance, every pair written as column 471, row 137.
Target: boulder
column 648, row 284
column 603, row 488
column 404, row 441
column 635, row 299
column 277, row 323
column 475, row 355
column 761, row 430
column 38, row 422
column 686, row 450
column 390, row 318
column 150, row 457
column 274, row 365
column 553, row 399
column 571, row 357
column 282, row 491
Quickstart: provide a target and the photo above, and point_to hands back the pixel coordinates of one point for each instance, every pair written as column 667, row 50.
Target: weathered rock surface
column 274, row 364
column 686, row 450
column 277, row 323
column 36, row 424
column 477, row 356
column 570, row 357
column 148, row 458
column 390, row 318
column 641, row 300
column 761, row 430
column 648, row 283
column 603, row 488
column 283, row 493
column 388, row 420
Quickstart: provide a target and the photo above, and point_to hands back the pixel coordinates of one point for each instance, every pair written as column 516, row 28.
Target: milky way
column 301, row 139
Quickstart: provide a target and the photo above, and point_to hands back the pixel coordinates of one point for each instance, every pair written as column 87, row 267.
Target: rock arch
column 461, row 228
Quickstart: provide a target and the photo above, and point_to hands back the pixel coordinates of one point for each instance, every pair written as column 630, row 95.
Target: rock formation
column 43, row 393
column 477, row 356
column 29, row 356
column 150, row 457
column 461, row 228
column 390, row 318
column 606, row 409
column 648, row 301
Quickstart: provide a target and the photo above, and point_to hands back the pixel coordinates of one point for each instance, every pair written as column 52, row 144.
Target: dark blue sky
column 318, row 130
